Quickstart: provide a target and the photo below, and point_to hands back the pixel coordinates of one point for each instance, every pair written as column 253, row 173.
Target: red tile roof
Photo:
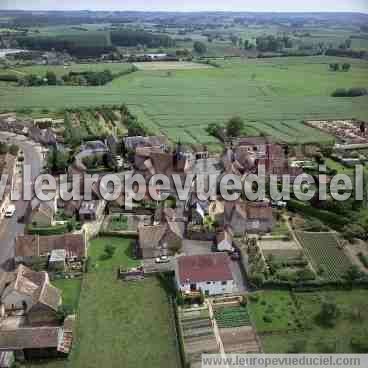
column 206, row 267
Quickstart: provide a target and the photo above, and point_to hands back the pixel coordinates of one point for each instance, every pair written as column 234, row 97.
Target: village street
column 10, row 228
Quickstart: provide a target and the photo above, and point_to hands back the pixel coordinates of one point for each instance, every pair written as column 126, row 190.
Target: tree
column 199, row 47
column 13, row 150
column 329, row 313
column 359, row 342
column 352, row 232
column 215, row 130
column 334, row 67
column 234, row 126
column 346, row 67
column 3, row 148
column 109, row 251
column 57, row 160
column 51, row 78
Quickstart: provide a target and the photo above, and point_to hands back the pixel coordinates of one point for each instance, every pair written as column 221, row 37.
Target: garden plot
column 235, row 328
column 171, row 65
column 325, row 253
column 197, row 333
column 280, row 249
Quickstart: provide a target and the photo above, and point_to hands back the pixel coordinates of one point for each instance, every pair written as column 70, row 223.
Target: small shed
column 57, row 260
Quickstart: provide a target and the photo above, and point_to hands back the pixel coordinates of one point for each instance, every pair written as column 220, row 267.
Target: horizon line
column 195, row 11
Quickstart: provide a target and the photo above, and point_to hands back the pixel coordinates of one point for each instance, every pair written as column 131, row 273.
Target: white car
column 162, row 259
column 10, row 211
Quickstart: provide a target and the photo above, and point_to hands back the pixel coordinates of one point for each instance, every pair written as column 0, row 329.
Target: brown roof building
column 29, row 247
column 209, row 273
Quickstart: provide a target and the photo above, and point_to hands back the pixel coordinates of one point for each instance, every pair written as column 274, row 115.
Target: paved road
column 10, row 228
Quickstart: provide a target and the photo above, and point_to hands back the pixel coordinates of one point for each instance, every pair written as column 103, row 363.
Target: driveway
column 238, row 276
column 195, row 247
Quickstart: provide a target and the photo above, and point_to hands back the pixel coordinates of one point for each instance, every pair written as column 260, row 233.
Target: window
column 208, row 282
column 223, row 282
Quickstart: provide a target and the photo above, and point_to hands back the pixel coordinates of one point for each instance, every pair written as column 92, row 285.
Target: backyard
column 117, row 320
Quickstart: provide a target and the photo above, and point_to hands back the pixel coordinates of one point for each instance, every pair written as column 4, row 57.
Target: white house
column 209, row 273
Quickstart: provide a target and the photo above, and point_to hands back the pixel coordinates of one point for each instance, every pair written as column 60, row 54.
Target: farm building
column 30, row 248
column 209, row 273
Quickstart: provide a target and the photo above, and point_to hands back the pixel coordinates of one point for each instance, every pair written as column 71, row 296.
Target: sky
column 191, row 5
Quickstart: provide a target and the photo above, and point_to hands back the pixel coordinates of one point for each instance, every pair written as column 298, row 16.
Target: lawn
column 273, row 96
column 71, row 289
column 120, row 324
column 319, row 339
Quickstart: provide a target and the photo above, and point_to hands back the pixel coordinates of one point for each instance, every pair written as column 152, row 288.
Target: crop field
column 323, row 251
column 170, row 65
column 61, row 70
column 273, row 96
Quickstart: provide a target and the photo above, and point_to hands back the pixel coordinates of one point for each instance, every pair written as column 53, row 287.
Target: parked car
column 162, row 259
column 10, row 211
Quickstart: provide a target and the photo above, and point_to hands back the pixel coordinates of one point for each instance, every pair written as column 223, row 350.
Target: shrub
column 364, row 259
column 359, row 342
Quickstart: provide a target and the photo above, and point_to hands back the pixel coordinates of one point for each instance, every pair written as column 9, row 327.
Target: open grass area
column 120, row 324
column 273, row 311
column 70, row 291
column 273, row 96
column 316, row 338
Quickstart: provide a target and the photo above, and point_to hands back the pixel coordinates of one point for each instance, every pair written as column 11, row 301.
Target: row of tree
column 335, row 67
column 132, row 38
column 352, row 92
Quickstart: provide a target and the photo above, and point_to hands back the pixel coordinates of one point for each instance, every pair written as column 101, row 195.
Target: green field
column 272, row 95
column 353, row 319
column 117, row 321
column 61, row 70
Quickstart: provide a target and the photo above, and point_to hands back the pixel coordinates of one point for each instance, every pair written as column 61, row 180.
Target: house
column 92, row 210
column 31, row 292
column 209, row 273
column 248, row 217
column 57, row 260
column 42, row 213
column 246, row 154
column 131, row 143
column 151, row 160
column 224, row 240
column 158, row 240
column 30, row 248
column 33, row 342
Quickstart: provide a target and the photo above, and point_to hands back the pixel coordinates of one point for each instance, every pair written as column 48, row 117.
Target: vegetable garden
column 323, row 250
column 227, row 317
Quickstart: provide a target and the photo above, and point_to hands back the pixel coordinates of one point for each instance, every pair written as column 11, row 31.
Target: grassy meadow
column 117, row 321
column 273, row 96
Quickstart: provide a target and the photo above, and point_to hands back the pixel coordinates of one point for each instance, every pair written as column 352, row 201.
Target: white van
column 10, row 211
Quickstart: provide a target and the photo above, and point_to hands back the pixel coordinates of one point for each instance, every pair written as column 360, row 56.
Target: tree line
column 131, row 38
